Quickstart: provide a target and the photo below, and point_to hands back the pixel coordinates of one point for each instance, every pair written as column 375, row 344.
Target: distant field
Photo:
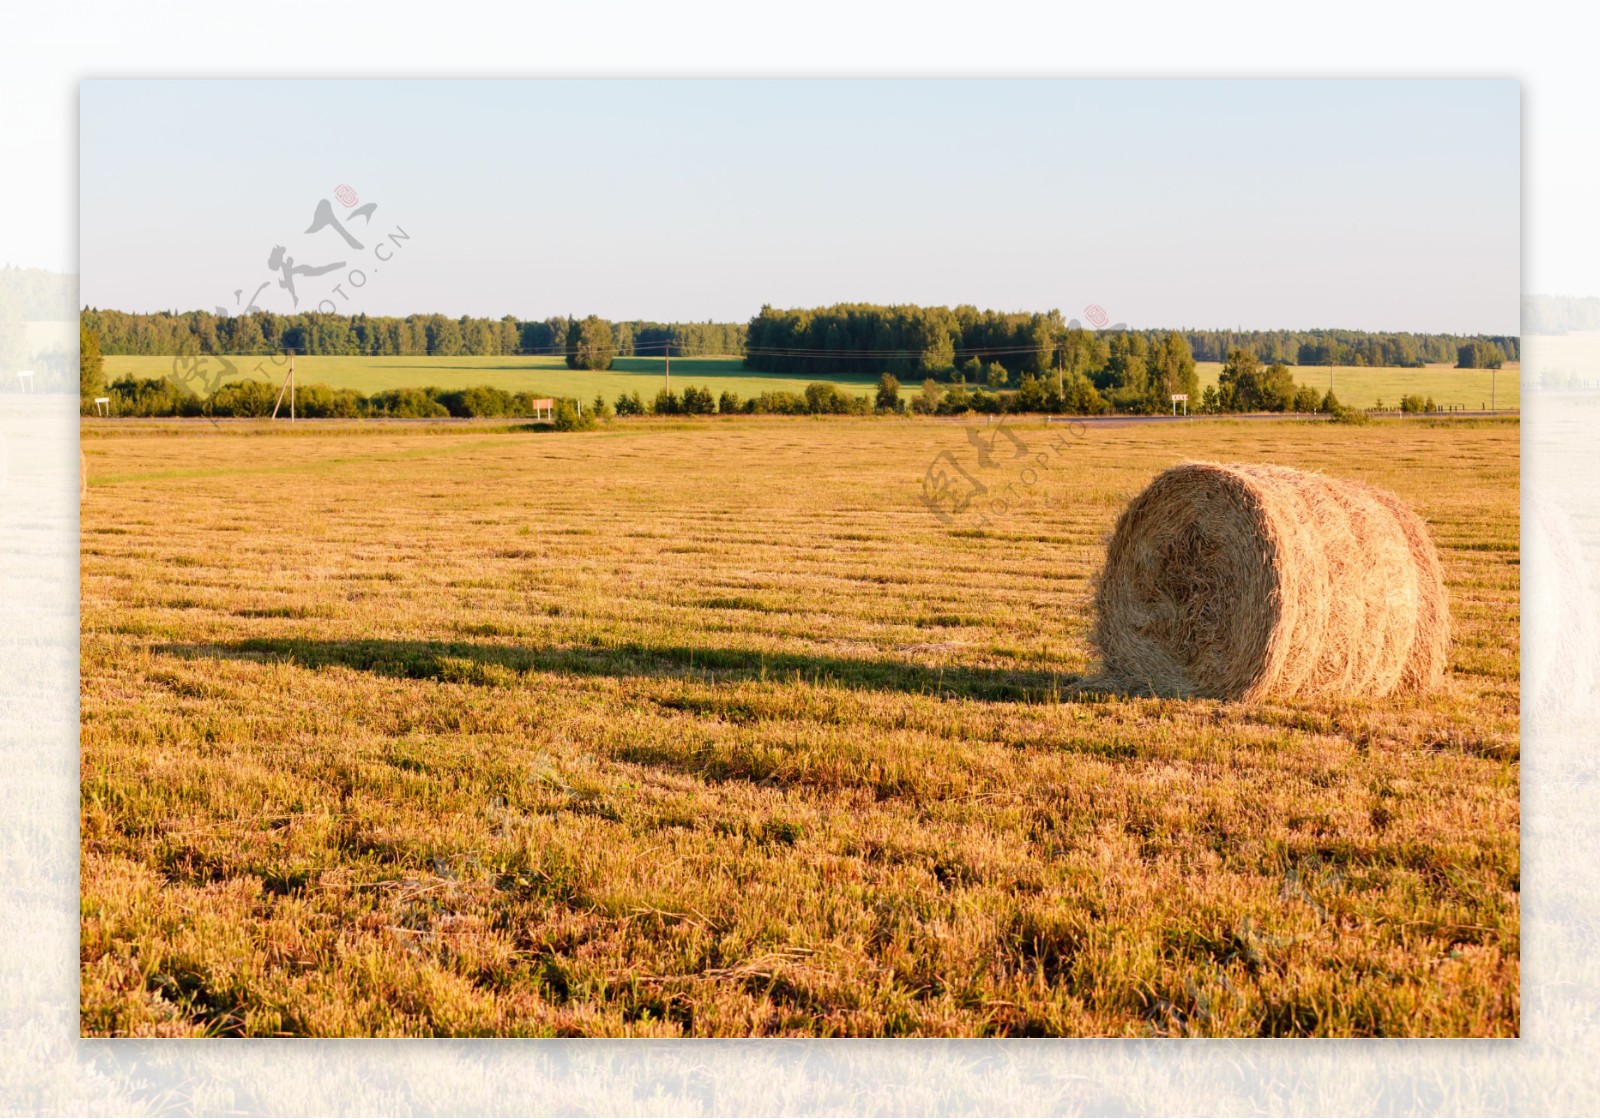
column 1365, row 387
column 644, row 375
column 1355, row 386
column 1575, row 354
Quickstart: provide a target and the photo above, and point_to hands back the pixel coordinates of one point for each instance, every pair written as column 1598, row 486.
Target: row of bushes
column 1070, row 395
column 823, row 399
column 818, row 399
column 158, row 396
column 1416, row 402
column 1073, row 394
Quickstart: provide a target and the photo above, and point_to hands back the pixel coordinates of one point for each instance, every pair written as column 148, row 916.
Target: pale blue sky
column 1363, row 204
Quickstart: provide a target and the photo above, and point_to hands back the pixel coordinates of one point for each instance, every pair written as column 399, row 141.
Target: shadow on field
column 500, row 665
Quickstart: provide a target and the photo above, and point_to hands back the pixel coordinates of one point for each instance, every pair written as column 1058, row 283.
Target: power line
column 679, row 349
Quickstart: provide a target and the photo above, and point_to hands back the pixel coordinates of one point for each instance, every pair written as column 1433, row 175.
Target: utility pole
column 1492, row 371
column 667, row 353
column 288, row 387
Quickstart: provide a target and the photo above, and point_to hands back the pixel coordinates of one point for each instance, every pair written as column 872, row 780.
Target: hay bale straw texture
column 1239, row 582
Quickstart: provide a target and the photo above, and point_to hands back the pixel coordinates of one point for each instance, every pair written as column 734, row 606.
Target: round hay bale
column 1238, row 582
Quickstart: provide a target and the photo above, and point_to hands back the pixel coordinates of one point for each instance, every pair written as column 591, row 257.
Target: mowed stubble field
column 713, row 728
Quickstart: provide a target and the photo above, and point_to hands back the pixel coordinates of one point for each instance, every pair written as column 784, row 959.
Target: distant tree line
column 1560, row 314
column 909, row 340
column 37, row 295
column 904, row 340
column 313, row 332
column 1342, row 347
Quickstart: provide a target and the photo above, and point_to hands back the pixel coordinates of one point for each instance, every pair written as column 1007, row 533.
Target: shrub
column 1412, row 402
column 322, row 402
column 778, row 403
column 1031, row 395
column 888, row 398
column 728, row 402
column 568, row 418
column 666, row 403
column 1306, row 399
column 406, row 404
column 826, row 399
column 481, row 400
column 1081, row 398
column 956, row 401
column 602, row 410
column 697, row 402
column 155, row 396
column 1133, row 400
column 995, row 375
column 256, row 398
column 988, row 403
column 927, row 402
column 630, row 404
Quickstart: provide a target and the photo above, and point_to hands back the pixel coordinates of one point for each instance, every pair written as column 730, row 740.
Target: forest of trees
column 934, row 341
column 1560, row 314
column 1480, row 355
column 591, row 344
column 164, row 332
column 1341, row 347
column 38, row 295
column 908, row 341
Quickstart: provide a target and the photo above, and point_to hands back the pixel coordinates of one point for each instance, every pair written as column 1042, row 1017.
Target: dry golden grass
column 715, row 728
